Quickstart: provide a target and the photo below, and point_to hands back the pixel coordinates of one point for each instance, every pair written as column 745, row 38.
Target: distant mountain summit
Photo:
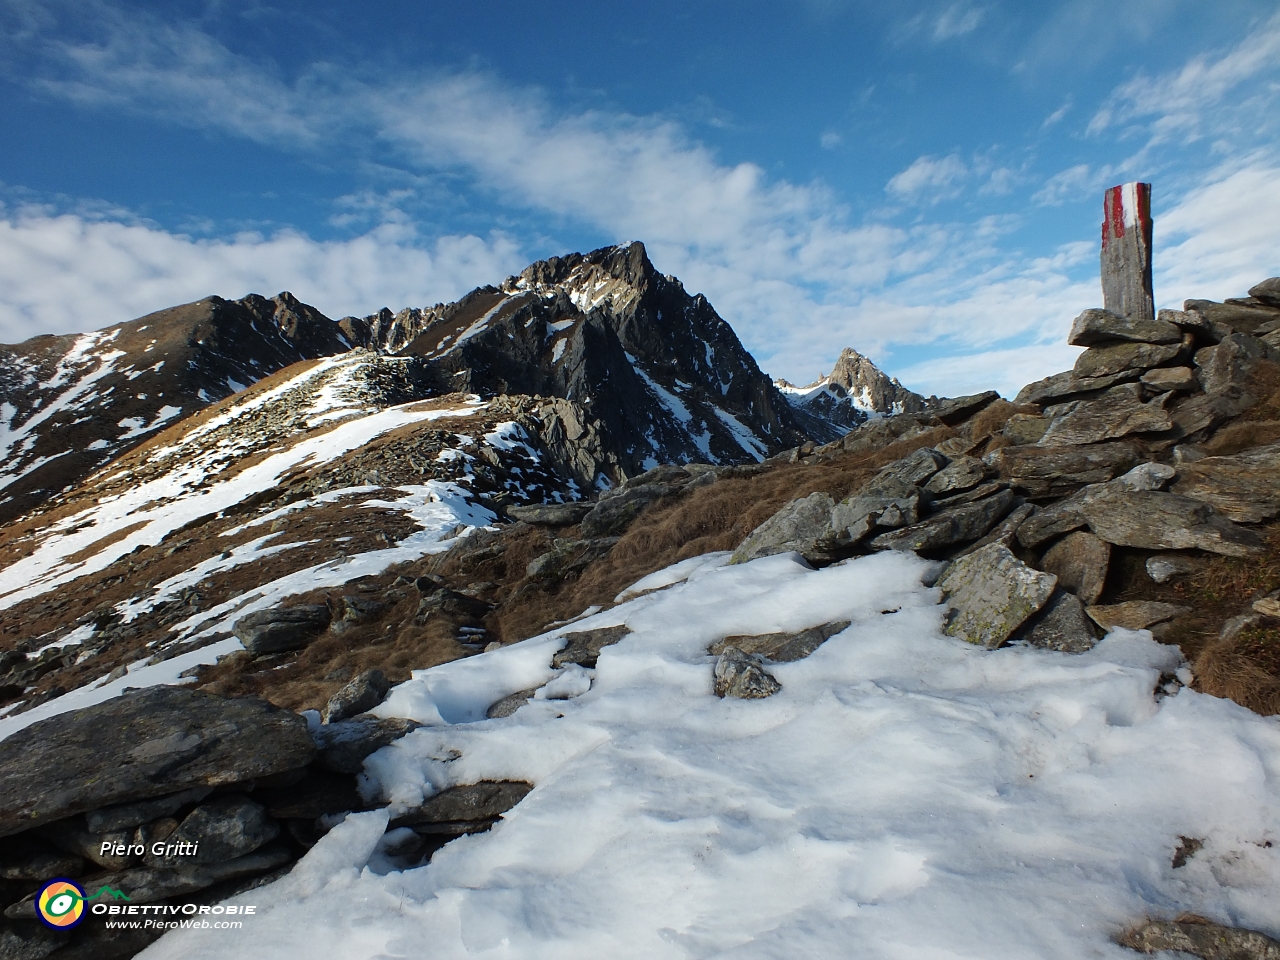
column 663, row 374
column 855, row 391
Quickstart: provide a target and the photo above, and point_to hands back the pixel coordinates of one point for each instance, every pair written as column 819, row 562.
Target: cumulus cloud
column 934, row 177
column 61, row 274
column 1222, row 237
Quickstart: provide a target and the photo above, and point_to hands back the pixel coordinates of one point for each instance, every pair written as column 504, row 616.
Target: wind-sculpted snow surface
column 905, row 795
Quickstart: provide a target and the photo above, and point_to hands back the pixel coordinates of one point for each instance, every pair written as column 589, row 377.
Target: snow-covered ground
column 905, row 795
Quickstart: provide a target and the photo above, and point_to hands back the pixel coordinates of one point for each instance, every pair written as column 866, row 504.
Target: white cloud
column 956, row 21
column 1187, row 102
column 830, row 140
column 1227, row 235
column 935, row 176
column 1069, row 184
column 61, row 274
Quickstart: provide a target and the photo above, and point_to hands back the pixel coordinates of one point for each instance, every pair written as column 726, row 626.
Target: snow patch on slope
column 904, row 795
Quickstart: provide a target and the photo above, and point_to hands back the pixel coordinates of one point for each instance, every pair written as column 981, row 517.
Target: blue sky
column 919, row 180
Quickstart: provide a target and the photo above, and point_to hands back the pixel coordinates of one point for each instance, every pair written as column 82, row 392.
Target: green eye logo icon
column 60, row 904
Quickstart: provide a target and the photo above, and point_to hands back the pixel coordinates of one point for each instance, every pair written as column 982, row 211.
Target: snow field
column 905, row 795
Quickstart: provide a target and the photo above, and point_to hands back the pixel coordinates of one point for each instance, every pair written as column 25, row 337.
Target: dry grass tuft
column 990, row 421
column 1245, row 668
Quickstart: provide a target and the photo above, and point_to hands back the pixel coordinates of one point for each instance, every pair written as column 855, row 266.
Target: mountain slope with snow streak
column 69, row 404
column 905, row 795
column 313, row 477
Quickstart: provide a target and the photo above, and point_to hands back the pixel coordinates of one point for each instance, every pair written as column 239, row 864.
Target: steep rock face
column 68, row 404
column 663, row 374
column 854, row 391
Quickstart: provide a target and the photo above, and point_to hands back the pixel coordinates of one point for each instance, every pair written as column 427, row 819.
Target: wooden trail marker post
column 1126, row 251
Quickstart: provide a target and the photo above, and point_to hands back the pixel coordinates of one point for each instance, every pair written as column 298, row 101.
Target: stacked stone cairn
column 1109, row 454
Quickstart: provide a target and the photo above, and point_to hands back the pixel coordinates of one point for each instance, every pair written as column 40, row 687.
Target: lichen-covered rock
column 1024, row 428
column 1200, row 938
column 1165, row 567
column 146, row 744
column 800, row 526
column 990, row 593
column 1079, row 561
column 740, row 675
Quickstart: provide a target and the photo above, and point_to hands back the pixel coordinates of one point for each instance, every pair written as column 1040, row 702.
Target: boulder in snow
column 782, row 647
column 360, row 695
column 1200, row 938
column 740, row 675
column 990, row 593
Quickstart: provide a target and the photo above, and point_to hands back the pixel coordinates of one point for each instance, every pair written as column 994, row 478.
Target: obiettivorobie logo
column 60, row 903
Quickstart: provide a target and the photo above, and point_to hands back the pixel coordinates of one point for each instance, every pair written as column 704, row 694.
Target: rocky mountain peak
column 854, row 391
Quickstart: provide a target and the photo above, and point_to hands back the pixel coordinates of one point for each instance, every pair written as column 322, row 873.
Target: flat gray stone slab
column 1244, row 488
column 958, row 524
column 1101, row 326
column 551, row 514
column 990, row 593
column 1117, row 413
column 1153, row 520
column 145, row 744
column 1050, row 471
column 782, row 647
column 471, row 802
column 1115, row 358
column 1134, row 614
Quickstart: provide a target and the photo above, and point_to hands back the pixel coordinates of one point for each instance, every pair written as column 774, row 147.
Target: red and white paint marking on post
column 1126, row 251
